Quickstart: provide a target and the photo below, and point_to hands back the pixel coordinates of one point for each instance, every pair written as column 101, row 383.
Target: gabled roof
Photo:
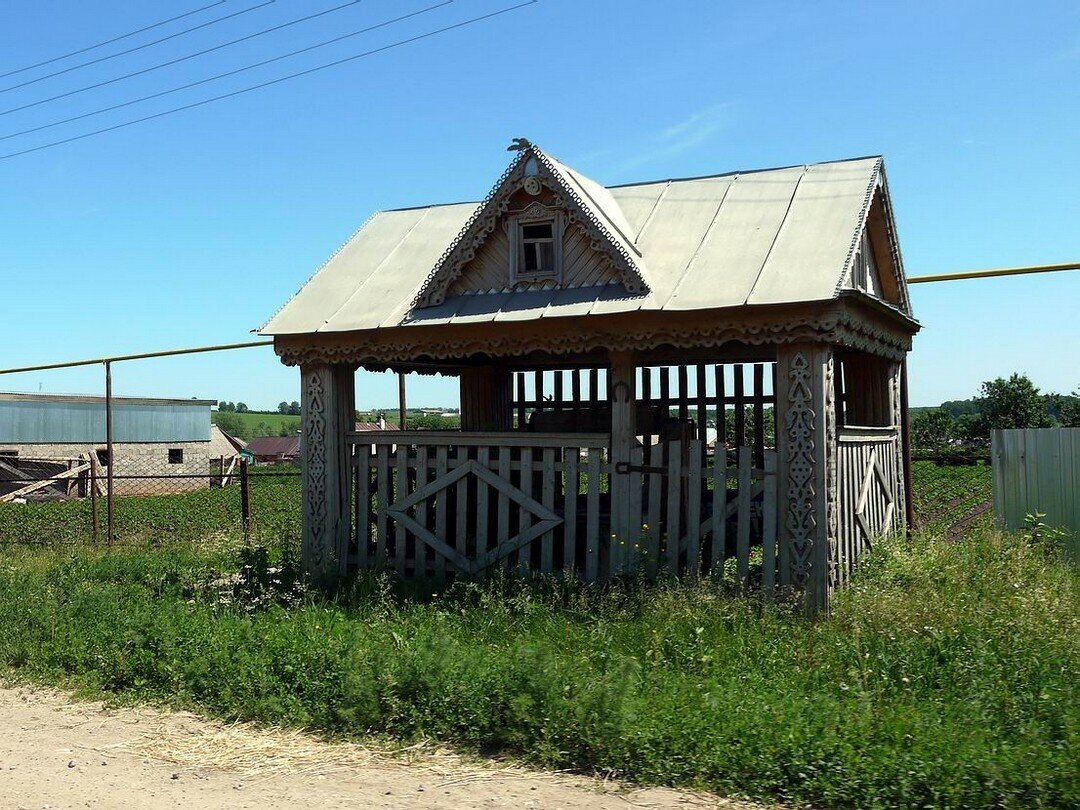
column 587, row 202
column 775, row 236
column 276, row 446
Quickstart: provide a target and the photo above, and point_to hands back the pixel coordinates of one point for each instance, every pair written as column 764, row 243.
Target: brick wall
column 137, row 459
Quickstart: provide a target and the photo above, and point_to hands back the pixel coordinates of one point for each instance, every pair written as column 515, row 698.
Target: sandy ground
column 55, row 753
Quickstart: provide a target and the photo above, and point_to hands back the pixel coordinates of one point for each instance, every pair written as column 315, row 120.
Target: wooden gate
column 432, row 505
column 870, row 495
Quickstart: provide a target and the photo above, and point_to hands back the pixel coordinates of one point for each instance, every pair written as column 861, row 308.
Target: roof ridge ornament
column 519, row 145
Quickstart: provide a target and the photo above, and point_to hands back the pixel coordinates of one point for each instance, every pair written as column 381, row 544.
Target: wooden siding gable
column 875, row 266
column 596, row 246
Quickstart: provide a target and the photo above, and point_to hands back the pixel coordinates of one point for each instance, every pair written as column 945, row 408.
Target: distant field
column 253, row 421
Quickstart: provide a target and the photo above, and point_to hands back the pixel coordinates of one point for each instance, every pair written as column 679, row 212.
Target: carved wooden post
column 328, row 409
column 623, row 398
column 806, row 445
column 897, row 419
column 486, row 398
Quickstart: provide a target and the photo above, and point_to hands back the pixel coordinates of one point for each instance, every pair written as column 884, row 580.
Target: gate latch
column 625, row 467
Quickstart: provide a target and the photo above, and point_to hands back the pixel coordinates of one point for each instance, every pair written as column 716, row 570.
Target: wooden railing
column 869, row 490
column 438, row 504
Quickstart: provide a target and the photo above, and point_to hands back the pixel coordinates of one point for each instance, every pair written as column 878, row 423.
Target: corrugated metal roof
column 762, row 237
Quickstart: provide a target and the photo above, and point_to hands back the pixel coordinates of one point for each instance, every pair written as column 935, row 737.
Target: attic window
column 536, row 249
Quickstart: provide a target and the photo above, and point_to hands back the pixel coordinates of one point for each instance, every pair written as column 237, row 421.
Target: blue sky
column 193, row 228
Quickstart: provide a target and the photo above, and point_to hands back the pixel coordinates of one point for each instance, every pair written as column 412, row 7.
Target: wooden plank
column 401, row 493
column 740, row 406
column 454, row 438
column 721, row 409
column 423, row 474
column 637, row 533
column 442, row 469
column 684, row 393
column 502, row 526
column 674, row 506
column 34, row 487
column 570, row 500
column 623, row 406
column 693, row 510
column 461, row 529
column 655, row 519
column 382, row 496
column 759, row 414
column 719, row 512
column 742, row 538
column 768, row 525
column 524, row 515
column 592, row 517
column 521, row 415
column 547, row 488
column 483, row 458
column 702, row 410
column 363, row 507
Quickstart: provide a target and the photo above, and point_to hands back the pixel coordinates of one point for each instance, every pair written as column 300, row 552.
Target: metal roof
column 763, row 237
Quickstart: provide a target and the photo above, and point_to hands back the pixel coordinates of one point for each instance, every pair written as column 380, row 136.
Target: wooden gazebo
column 697, row 376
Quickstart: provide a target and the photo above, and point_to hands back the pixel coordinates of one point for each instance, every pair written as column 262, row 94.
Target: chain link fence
column 46, row 502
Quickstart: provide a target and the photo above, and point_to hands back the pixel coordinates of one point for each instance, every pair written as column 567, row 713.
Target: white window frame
column 515, row 227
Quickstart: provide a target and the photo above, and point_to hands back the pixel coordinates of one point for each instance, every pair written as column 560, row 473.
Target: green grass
column 199, row 515
column 947, row 675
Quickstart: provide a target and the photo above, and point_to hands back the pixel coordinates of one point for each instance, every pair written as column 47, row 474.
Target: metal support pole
column 109, row 452
column 401, row 401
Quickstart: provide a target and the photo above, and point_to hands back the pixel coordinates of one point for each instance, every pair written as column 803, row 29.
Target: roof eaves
column 330, row 258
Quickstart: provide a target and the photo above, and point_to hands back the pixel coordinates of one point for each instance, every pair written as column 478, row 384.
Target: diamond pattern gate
column 869, row 493
column 431, row 505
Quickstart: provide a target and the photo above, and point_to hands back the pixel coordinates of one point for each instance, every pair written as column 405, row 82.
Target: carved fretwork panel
column 806, row 443
column 328, row 414
column 489, row 270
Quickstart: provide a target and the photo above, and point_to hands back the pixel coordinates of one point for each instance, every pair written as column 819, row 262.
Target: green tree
column 1069, row 408
column 934, row 429
column 241, row 407
column 293, row 408
column 289, row 427
column 283, row 407
column 1011, row 403
column 232, row 423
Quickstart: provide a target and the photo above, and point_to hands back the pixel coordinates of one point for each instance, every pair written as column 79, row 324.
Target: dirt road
column 55, row 753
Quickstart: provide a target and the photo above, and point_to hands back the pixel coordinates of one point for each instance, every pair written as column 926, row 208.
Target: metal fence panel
column 1037, row 471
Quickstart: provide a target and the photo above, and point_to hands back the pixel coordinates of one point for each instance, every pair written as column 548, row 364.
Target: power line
column 309, row 71
column 168, row 64
column 109, row 41
column 215, row 21
column 222, row 75
column 1002, row 271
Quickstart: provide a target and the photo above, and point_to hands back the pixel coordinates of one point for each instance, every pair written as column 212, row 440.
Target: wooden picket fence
column 437, row 505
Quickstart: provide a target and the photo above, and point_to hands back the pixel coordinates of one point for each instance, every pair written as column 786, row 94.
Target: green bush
column 946, row 676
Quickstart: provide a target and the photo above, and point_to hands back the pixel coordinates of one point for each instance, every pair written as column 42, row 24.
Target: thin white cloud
column 693, row 131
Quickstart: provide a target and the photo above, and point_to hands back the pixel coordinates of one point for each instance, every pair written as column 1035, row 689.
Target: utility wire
column 220, row 75
column 272, row 82
column 109, row 41
column 214, row 21
column 170, row 63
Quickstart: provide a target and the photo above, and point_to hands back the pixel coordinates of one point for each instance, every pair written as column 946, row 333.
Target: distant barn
column 152, row 438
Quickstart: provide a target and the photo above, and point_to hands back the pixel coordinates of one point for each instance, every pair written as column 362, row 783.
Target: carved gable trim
column 624, row 265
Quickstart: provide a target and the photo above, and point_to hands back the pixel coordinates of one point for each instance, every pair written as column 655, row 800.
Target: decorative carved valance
column 835, row 324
